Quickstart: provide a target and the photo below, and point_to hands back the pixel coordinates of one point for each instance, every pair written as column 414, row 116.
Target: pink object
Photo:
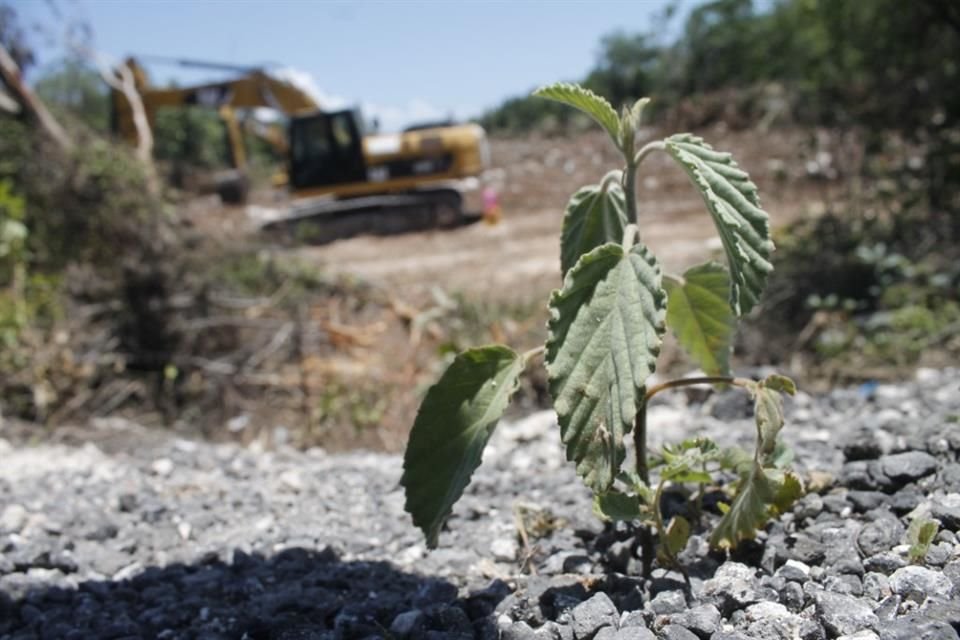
column 490, row 199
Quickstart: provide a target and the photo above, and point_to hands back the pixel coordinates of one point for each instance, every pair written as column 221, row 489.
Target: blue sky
column 400, row 60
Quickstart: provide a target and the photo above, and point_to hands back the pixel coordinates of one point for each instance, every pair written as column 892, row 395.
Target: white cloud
column 305, row 81
column 391, row 117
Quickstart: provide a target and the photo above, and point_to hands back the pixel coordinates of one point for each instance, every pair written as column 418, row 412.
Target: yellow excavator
column 425, row 176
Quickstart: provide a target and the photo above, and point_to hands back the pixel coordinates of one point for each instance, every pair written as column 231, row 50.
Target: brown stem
column 640, row 447
column 643, row 471
column 630, row 189
column 640, row 444
column 687, row 382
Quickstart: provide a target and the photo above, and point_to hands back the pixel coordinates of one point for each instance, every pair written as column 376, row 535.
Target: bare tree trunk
column 10, row 73
column 120, row 78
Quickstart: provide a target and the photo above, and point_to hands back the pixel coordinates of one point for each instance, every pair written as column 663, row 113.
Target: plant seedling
column 605, row 329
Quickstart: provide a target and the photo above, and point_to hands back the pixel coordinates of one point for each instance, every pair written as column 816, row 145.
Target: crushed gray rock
column 181, row 539
column 844, row 614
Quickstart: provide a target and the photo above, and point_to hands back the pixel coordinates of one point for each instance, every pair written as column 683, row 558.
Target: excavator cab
column 326, row 149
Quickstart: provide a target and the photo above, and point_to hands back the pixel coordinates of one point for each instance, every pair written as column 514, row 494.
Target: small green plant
column 605, row 330
column 920, row 535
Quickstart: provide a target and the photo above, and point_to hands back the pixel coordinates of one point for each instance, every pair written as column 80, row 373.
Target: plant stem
column 640, row 443
column 630, row 175
column 673, row 279
column 533, row 353
column 687, row 382
column 609, row 178
column 643, row 471
column 647, row 149
column 630, row 188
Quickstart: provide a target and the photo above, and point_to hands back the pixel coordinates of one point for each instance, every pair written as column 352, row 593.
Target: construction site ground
column 497, row 276
column 535, row 176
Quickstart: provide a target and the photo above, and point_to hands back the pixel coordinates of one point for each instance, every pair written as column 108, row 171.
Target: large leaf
column 594, row 216
column 586, row 101
column 733, row 202
column 762, row 495
column 454, row 423
column 700, row 316
column 678, row 534
column 747, row 513
column 768, row 411
column 615, row 505
column 605, row 329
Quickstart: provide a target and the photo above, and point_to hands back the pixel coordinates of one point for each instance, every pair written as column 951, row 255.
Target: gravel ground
column 115, row 531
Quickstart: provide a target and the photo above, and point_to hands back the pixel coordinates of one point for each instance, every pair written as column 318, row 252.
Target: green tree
column 626, row 66
column 73, row 87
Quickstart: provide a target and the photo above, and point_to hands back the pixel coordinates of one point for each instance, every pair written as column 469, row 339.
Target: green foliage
column 13, row 235
column 920, row 535
column 190, row 138
column 614, row 505
column 873, row 293
column 761, row 496
column 839, row 61
column 701, row 317
column 595, row 215
column 687, row 462
column 626, row 67
column 733, row 202
column 675, row 537
column 586, row 101
column 768, row 408
column 454, row 423
column 764, row 491
column 71, row 87
column 89, row 205
column 605, row 329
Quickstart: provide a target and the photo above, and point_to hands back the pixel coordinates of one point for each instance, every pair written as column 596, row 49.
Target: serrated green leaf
column 735, row 459
column 782, row 455
column 453, row 425
column 733, row 203
column 685, row 462
column 605, row 332
column 768, row 412
column 922, row 531
column 700, row 316
column 636, row 111
column 747, row 513
column 780, row 383
column 702, row 443
column 678, row 533
column 920, row 535
column 586, row 101
column 928, row 531
column 787, row 489
column 616, row 505
column 594, row 216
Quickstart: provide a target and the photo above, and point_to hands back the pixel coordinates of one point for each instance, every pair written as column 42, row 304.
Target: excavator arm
column 251, row 90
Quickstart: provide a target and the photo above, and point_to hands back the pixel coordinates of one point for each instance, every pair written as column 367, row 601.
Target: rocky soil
column 115, row 531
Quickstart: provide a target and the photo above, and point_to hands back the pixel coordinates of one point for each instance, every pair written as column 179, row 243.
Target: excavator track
column 327, row 221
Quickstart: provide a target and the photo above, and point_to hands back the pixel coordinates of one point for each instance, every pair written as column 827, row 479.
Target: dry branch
column 10, row 73
column 120, row 78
